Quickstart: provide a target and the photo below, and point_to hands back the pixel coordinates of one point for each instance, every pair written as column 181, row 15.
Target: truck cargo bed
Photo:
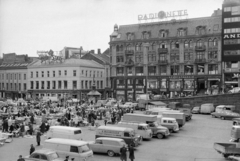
column 226, row 148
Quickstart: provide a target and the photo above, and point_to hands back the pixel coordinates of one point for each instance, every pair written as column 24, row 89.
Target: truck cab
column 159, row 131
column 235, row 134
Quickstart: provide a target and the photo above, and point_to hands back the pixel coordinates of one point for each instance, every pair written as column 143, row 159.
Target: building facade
column 13, row 76
column 103, row 59
column 169, row 57
column 231, row 43
column 72, row 78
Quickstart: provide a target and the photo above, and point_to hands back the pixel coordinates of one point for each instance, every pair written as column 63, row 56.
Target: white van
column 79, row 150
column 64, row 132
column 225, row 108
column 207, row 108
column 140, row 128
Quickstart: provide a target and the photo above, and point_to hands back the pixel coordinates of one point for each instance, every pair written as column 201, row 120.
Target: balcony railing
column 162, row 62
column 202, row 60
column 162, row 50
column 129, row 52
column 200, row 48
column 212, row 48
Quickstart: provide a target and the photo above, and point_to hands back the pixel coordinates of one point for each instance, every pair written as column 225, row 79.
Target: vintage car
column 225, row 115
column 196, row 110
column 111, row 146
column 43, row 155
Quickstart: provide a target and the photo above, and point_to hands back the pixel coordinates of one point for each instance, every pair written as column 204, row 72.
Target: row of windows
column 65, row 73
column 13, row 76
column 200, row 30
column 87, row 84
column 13, row 86
column 173, row 45
column 232, row 19
column 174, row 70
column 173, row 56
column 232, row 52
column 232, row 30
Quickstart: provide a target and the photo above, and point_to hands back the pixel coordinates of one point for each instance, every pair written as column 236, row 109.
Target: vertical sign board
column 230, row 31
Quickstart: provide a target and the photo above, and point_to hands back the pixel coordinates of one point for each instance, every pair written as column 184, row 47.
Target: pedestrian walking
column 123, row 153
column 131, row 153
column 20, row 158
column 32, row 149
column 38, row 137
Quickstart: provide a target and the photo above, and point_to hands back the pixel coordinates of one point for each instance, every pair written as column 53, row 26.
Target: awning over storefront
column 94, row 93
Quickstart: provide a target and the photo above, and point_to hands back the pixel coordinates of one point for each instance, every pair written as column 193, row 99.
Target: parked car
column 225, row 115
column 234, row 90
column 43, row 155
column 196, row 110
column 111, row 146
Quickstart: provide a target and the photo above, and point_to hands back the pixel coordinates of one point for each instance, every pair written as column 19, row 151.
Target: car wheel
column 222, row 118
column 110, row 153
column 160, row 136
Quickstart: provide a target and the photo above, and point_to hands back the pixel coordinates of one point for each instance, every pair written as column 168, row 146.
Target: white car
column 234, row 90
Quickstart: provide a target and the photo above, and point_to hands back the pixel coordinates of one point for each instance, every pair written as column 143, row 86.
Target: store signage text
column 162, row 15
column 231, row 36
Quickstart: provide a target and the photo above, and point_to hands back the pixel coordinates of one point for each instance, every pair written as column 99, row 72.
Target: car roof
column 114, row 128
column 110, row 139
column 66, row 141
column 44, row 151
column 65, row 127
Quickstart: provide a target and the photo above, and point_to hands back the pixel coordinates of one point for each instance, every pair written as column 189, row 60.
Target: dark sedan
column 225, row 115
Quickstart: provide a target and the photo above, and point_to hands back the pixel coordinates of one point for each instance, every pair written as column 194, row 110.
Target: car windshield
column 84, row 148
column 53, row 156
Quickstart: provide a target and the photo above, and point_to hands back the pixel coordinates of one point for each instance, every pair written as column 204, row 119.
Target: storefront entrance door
column 201, row 84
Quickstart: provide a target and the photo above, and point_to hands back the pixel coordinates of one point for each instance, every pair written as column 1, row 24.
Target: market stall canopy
column 158, row 103
column 94, row 93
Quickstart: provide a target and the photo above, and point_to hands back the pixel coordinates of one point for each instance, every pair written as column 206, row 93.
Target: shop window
column 163, row 84
column 139, row 70
column 152, row 84
column 212, row 55
column 174, row 70
column 152, row 70
column 163, row 70
column 188, row 69
column 233, row 64
column 212, row 69
column 200, row 69
column 188, row 84
column 175, row 84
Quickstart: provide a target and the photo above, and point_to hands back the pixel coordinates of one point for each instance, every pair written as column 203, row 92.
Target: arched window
column 128, row 47
column 215, row 42
column 210, row 42
column 163, row 46
column 186, row 44
column 199, row 43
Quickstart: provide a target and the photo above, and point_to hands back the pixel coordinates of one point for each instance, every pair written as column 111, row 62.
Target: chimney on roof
column 99, row 51
column 92, row 51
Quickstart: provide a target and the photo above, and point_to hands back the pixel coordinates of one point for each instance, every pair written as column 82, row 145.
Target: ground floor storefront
column 14, row 95
column 128, row 88
column 231, row 79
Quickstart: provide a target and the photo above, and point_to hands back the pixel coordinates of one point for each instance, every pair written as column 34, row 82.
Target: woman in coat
column 38, row 137
column 131, row 153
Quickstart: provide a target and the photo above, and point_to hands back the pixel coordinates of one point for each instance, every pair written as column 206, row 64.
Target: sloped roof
column 172, row 26
column 102, row 57
column 67, row 62
column 106, row 52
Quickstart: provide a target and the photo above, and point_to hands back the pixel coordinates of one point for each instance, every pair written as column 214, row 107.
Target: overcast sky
column 30, row 25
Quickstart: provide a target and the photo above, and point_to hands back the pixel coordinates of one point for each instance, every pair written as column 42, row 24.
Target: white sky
column 30, row 25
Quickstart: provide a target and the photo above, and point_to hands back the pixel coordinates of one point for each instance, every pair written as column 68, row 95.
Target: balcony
column 163, row 62
column 174, row 61
column 129, row 52
column 174, row 50
column 162, row 50
column 188, row 61
column 200, row 48
column 202, row 60
column 188, row 49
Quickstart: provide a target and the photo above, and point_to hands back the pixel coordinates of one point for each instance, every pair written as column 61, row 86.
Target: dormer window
column 163, row 33
column 163, row 46
column 200, row 30
column 130, row 36
column 146, row 35
column 182, row 32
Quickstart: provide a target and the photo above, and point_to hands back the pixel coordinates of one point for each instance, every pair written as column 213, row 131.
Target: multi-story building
column 70, row 78
column 72, row 52
column 104, row 59
column 167, row 57
column 231, row 42
column 13, row 76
